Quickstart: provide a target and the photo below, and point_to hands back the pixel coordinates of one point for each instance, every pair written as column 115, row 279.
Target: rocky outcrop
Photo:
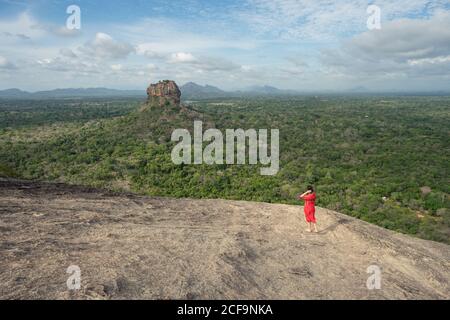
column 163, row 93
column 135, row 247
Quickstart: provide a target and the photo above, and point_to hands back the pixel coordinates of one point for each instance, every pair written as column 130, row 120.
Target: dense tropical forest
column 381, row 159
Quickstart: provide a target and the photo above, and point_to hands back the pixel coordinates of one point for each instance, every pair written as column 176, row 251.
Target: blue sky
column 307, row 45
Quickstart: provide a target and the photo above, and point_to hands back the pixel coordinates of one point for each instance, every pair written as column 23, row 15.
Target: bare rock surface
column 135, row 247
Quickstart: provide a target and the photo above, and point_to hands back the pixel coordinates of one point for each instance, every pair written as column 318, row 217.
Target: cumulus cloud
column 74, row 66
column 182, row 57
column 67, row 53
column 116, row 67
column 429, row 61
column 202, row 63
column 404, row 47
column 6, row 64
column 151, row 50
column 406, row 39
column 21, row 27
column 104, row 46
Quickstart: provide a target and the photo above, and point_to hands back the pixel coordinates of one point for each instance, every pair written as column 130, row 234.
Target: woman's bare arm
column 305, row 193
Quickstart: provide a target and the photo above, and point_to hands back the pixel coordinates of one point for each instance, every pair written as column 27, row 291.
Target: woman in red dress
column 310, row 210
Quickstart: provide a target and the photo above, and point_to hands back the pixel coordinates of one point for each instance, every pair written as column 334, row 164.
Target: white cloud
column 60, row 31
column 403, row 48
column 150, row 50
column 6, row 64
column 20, row 27
column 116, row 67
column 406, row 39
column 104, row 46
column 73, row 66
column 182, row 57
column 26, row 27
column 164, row 36
column 67, row 53
column 326, row 20
column 429, row 61
column 202, row 63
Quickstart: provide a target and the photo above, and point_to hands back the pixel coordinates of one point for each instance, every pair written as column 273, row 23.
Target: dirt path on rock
column 133, row 247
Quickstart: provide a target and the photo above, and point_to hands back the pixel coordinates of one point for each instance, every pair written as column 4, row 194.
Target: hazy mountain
column 14, row 94
column 358, row 89
column 268, row 91
column 88, row 92
column 264, row 90
column 70, row 93
column 192, row 90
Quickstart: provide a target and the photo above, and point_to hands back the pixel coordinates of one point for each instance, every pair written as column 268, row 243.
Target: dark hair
column 310, row 188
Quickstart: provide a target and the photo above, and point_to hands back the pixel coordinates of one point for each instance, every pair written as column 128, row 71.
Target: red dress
column 310, row 209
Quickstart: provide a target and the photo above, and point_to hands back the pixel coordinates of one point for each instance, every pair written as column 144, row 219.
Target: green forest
column 384, row 160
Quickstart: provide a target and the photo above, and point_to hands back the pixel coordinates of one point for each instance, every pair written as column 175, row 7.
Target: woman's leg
column 313, row 220
column 307, row 221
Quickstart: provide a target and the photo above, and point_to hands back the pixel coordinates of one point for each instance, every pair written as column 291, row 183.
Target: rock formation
column 136, row 247
column 163, row 92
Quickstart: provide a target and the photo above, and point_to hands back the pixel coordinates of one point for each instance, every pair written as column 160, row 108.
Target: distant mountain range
column 70, row 93
column 269, row 90
column 192, row 90
column 189, row 91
